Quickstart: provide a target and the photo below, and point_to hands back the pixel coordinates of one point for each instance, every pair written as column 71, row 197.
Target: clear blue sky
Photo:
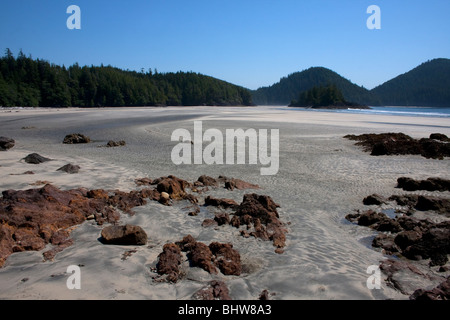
column 252, row 43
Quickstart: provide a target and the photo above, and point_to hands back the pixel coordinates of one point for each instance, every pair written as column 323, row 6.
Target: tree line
column 320, row 97
column 38, row 83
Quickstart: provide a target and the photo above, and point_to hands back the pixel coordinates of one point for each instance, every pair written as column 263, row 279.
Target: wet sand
column 322, row 177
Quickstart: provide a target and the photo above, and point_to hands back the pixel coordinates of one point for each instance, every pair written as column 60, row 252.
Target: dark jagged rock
column 169, row 262
column 441, row 292
column 370, row 217
column 405, row 239
column 201, row 256
column 6, row 143
column 35, row 158
column 264, row 295
column 409, row 200
column 215, row 290
column 374, row 199
column 70, row 168
column 124, row 235
column 434, row 244
column 401, row 144
column 439, row 205
column 261, row 212
column 76, row 138
column 386, row 242
column 439, row 136
column 390, row 225
column 431, row 184
column 112, row 144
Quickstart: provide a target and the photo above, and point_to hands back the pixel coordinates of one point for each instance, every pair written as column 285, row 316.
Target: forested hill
column 289, row 88
column 426, row 85
column 28, row 82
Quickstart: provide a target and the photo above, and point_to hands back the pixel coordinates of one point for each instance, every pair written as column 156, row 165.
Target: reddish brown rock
column 201, row 256
column 261, row 212
column 172, row 185
column 227, row 259
column 30, row 219
column 169, row 262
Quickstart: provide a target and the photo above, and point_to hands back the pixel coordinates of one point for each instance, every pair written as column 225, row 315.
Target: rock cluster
column 410, row 237
column 436, row 146
column 211, row 258
column 430, row 184
column 30, row 219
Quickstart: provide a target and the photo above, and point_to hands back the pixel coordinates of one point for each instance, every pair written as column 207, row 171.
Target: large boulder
column 6, row 143
column 124, row 235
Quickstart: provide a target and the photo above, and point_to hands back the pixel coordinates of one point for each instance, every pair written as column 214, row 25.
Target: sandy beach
column 322, row 177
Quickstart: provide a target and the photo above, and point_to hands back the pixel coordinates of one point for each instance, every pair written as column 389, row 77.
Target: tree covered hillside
column 38, row 83
column 289, row 88
column 426, row 85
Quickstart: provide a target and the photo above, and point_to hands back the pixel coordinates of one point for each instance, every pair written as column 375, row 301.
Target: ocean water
column 394, row 111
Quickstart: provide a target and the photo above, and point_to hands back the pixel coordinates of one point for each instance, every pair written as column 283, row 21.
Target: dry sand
column 322, row 178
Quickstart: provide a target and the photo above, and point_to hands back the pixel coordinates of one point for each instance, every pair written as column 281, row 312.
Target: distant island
column 324, row 97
